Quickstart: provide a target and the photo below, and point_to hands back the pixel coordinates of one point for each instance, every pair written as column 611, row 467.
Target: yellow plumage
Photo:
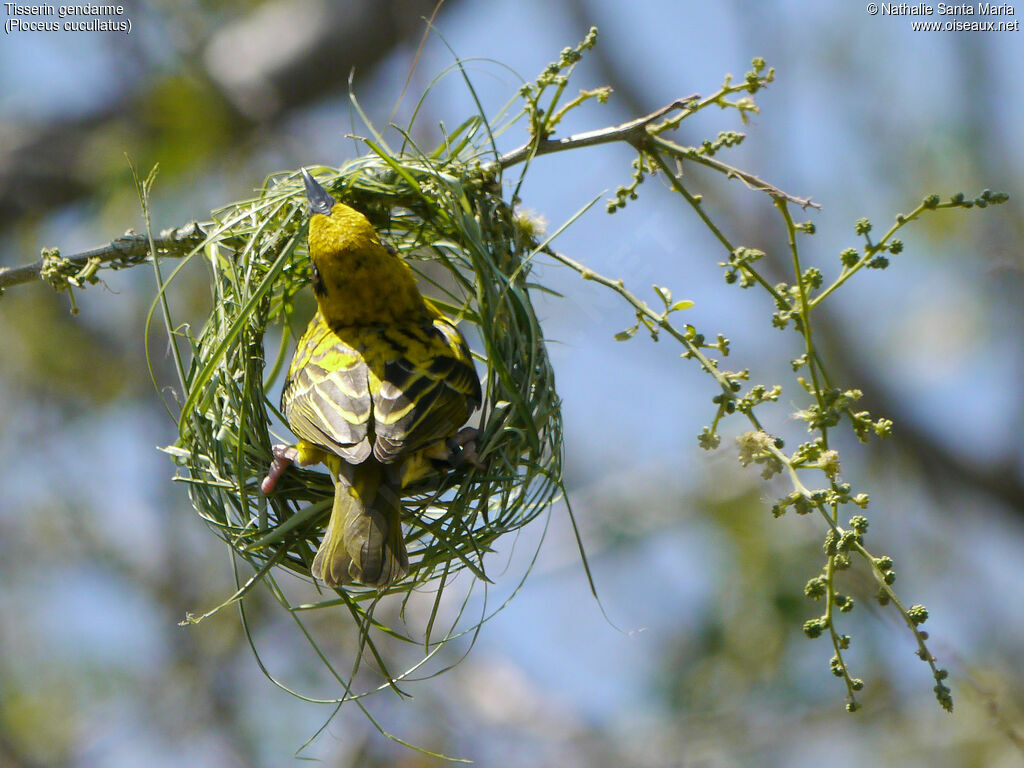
column 380, row 384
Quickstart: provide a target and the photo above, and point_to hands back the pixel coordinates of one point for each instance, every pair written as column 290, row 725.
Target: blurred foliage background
column 101, row 556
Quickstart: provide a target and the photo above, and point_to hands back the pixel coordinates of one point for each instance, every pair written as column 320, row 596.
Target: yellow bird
column 378, row 389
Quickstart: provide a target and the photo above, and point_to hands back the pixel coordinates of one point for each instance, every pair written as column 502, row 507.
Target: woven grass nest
column 473, row 257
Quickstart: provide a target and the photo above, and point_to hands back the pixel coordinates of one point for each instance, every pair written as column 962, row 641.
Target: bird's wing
column 427, row 390
column 327, row 397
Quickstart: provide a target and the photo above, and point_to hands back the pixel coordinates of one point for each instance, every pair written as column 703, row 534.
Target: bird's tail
column 363, row 541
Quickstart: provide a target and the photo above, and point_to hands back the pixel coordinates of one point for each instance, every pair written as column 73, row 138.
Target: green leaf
column 681, row 304
column 627, row 334
column 664, row 293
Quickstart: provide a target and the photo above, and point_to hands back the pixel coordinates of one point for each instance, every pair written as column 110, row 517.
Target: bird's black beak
column 320, row 200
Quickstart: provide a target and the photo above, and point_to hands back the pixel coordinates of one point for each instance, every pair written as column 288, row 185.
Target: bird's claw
column 462, row 448
column 284, row 457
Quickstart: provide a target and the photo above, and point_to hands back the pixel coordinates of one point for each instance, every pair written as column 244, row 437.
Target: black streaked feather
column 335, row 409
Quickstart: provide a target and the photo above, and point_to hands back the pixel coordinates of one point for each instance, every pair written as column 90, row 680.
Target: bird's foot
column 284, row 457
column 460, row 449
column 302, row 454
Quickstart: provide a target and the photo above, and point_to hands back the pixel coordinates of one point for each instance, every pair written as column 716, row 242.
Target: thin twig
column 636, row 133
column 632, row 132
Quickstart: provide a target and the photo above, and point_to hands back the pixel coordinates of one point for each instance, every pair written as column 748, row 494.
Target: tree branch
column 633, row 132
column 731, row 172
column 127, row 250
column 637, row 134
column 133, row 248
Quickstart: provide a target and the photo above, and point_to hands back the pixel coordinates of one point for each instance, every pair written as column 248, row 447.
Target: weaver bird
column 379, row 387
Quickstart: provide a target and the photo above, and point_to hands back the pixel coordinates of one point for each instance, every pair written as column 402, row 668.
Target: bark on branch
column 125, row 251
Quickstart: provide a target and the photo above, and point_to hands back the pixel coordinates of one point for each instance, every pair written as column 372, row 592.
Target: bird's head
column 356, row 280
column 335, row 227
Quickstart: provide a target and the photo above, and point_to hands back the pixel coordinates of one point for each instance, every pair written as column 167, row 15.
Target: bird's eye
column 318, row 283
